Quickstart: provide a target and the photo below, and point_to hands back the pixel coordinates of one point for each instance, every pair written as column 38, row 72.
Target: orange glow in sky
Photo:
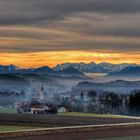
column 51, row 58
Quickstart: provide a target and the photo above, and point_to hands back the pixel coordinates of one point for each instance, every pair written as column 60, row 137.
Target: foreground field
column 66, row 119
column 121, row 138
column 105, row 134
column 94, row 115
column 5, row 128
column 73, row 119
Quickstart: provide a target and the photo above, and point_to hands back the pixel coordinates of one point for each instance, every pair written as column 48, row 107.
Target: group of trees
column 110, row 102
column 107, row 102
column 134, row 103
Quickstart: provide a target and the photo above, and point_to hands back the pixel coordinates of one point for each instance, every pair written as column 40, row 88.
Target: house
column 37, row 108
column 17, row 104
column 62, row 109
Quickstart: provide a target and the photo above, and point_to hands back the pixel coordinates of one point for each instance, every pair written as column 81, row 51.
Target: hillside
column 131, row 71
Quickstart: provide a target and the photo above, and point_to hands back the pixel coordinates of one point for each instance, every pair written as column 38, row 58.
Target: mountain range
column 75, row 69
column 11, row 69
column 93, row 67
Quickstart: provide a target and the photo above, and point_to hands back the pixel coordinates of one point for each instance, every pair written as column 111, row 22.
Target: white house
column 62, row 109
column 39, row 109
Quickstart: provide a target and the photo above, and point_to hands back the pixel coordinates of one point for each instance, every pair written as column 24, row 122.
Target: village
column 88, row 102
column 38, row 105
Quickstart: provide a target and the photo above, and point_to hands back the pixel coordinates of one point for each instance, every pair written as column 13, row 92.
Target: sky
column 48, row 32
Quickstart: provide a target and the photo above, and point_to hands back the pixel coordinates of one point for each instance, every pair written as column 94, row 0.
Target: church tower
column 41, row 94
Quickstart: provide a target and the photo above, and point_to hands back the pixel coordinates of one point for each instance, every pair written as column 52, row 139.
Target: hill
column 131, row 71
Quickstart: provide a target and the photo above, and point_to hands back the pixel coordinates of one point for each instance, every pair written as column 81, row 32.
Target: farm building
column 37, row 105
column 37, row 108
column 62, row 109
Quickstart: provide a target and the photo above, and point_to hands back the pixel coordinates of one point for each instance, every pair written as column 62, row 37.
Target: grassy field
column 7, row 110
column 4, row 128
column 122, row 138
column 12, row 110
column 92, row 115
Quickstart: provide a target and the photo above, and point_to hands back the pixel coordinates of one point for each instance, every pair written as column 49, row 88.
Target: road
column 85, row 135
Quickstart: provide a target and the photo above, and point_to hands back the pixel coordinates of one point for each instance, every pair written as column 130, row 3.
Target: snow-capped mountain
column 78, row 68
column 93, row 67
column 70, row 71
column 42, row 70
column 9, row 69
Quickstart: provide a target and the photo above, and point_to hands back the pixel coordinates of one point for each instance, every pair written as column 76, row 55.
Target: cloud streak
column 34, row 11
column 31, row 39
column 54, row 57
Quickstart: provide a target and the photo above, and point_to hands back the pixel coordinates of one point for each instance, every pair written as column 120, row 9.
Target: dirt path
column 85, row 136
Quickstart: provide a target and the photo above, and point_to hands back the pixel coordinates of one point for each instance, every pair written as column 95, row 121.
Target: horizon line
column 19, row 66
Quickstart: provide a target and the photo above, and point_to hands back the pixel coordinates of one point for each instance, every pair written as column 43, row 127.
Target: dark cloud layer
column 36, row 11
column 73, row 24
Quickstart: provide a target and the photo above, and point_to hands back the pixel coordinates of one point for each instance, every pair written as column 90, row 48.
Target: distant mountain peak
column 43, row 70
column 70, row 71
column 91, row 67
column 71, row 68
column 8, row 68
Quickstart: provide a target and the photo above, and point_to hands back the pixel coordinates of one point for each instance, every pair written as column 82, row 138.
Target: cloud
column 35, row 12
column 110, row 26
column 31, row 39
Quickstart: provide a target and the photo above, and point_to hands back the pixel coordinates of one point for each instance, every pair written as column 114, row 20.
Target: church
column 37, row 105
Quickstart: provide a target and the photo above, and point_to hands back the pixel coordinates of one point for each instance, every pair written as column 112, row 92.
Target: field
column 7, row 110
column 63, row 119
column 105, row 134
column 121, row 138
column 17, row 122
column 76, row 114
column 5, row 128
column 94, row 115
column 30, row 121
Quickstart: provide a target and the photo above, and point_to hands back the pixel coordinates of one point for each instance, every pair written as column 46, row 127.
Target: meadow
column 122, row 138
column 5, row 128
column 7, row 110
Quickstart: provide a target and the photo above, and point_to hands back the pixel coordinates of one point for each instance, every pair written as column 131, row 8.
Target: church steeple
column 41, row 94
column 42, row 88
